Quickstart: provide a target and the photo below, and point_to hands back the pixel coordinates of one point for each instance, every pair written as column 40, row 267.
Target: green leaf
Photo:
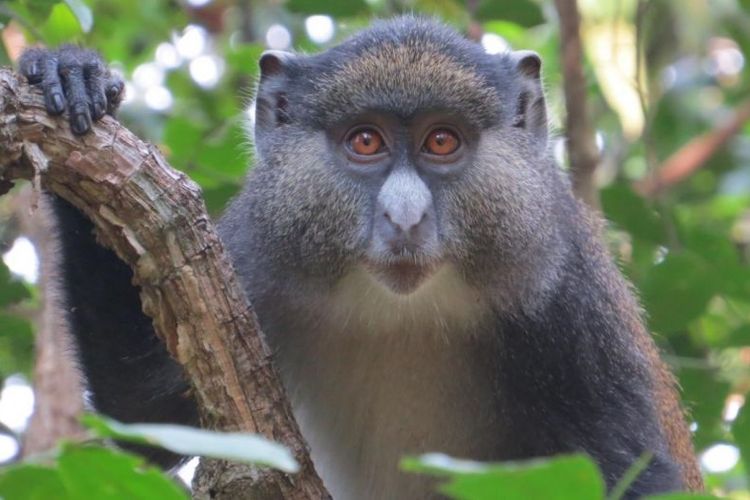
column 225, row 157
column 101, row 473
column 16, row 345
column 222, row 158
column 33, row 12
column 82, row 13
column 452, row 12
column 731, row 276
column 12, row 290
column 335, row 8
column 31, row 482
column 61, row 25
column 630, row 212
column 630, row 476
column 244, row 58
column 738, row 337
column 190, row 441
column 677, row 291
column 704, row 394
column 523, row 12
column 513, row 33
column 182, row 138
column 88, row 472
column 4, row 58
column 553, row 479
column 216, row 198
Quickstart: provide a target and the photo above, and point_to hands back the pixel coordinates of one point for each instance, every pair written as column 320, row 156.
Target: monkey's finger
column 54, row 99
column 115, row 91
column 31, row 64
column 93, row 73
column 74, row 85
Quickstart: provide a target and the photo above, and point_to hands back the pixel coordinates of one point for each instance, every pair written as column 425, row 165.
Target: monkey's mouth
column 402, row 276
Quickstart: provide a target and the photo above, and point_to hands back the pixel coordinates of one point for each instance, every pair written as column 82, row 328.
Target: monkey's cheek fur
column 402, row 278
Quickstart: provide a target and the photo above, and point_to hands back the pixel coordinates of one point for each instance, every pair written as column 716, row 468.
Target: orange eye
column 441, row 142
column 366, row 142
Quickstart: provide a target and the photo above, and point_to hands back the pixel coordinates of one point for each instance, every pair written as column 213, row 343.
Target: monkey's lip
column 402, row 276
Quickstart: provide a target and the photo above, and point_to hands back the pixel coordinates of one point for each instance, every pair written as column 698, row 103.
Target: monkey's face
column 402, row 156
column 400, row 163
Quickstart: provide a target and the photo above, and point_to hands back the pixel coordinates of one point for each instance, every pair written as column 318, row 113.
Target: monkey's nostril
column 406, row 224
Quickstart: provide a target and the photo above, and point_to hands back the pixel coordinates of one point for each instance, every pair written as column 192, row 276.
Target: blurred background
column 667, row 95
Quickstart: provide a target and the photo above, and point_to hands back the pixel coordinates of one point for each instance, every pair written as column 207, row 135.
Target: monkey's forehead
column 403, row 79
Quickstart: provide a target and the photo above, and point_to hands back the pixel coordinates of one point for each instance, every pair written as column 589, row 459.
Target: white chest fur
column 374, row 376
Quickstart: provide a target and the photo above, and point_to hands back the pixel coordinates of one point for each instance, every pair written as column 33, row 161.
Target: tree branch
column 581, row 143
column 154, row 218
column 692, row 156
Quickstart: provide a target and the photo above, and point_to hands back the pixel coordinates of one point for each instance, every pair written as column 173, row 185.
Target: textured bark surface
column 579, row 131
column 154, row 218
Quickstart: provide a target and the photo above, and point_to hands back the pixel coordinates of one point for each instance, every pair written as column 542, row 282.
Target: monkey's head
column 404, row 150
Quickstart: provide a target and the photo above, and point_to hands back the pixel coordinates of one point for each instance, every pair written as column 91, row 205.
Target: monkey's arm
column 130, row 374
column 573, row 376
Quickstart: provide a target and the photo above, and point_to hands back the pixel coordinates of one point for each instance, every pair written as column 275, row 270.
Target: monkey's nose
column 405, row 217
column 406, row 230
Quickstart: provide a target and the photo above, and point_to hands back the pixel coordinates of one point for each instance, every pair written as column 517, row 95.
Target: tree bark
column 581, row 142
column 154, row 218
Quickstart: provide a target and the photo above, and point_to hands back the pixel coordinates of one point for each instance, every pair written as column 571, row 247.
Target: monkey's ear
column 531, row 109
column 271, row 100
column 273, row 62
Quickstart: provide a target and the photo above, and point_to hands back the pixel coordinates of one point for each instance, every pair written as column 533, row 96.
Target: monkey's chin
column 402, row 278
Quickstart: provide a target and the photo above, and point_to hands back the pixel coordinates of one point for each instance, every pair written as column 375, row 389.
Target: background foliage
column 662, row 74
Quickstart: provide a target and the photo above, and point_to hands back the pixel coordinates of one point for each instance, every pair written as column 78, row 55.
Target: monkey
column 418, row 263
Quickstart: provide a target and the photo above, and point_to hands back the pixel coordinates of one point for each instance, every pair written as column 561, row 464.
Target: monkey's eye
column 366, row 142
column 441, row 142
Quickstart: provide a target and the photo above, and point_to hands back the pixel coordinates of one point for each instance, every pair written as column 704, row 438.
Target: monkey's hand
column 75, row 79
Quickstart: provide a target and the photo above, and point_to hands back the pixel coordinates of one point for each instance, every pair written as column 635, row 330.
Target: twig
column 581, row 142
column 692, row 156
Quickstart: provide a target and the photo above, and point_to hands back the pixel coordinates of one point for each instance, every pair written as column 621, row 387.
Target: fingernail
column 57, row 103
column 113, row 91
column 80, row 124
column 98, row 109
